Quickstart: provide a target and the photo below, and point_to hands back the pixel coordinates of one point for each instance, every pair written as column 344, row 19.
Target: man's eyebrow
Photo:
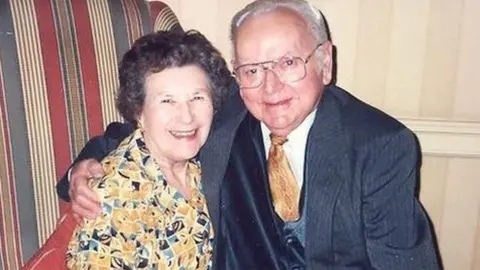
column 287, row 55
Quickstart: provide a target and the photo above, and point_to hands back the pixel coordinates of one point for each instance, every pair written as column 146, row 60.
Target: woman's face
column 177, row 113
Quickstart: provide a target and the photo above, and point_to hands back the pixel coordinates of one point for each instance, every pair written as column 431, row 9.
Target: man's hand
column 85, row 202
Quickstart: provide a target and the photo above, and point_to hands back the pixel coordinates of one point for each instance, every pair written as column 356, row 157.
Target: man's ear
column 327, row 62
column 233, row 62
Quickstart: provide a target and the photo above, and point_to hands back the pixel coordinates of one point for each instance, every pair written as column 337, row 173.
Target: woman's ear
column 140, row 122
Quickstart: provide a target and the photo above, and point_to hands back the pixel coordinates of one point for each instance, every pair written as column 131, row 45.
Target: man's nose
column 272, row 81
column 185, row 113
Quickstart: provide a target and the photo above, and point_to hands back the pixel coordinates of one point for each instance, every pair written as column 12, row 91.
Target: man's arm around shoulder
column 97, row 148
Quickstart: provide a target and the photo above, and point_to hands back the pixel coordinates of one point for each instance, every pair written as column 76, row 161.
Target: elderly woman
column 154, row 214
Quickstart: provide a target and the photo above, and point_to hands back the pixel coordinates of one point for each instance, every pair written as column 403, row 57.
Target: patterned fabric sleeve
column 110, row 240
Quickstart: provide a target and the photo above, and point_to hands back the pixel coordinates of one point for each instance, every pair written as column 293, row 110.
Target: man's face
column 280, row 104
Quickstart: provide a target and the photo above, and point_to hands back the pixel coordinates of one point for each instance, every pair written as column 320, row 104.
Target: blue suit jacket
column 362, row 169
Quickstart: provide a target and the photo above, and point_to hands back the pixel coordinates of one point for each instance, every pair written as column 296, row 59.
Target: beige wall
column 420, row 61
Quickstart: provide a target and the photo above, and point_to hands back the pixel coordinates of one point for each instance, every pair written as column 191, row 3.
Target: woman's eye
column 198, row 98
column 166, row 100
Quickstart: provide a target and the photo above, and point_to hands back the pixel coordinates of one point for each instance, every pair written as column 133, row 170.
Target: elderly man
column 298, row 174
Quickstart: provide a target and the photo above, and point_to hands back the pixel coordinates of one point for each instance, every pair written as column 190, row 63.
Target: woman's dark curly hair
column 155, row 52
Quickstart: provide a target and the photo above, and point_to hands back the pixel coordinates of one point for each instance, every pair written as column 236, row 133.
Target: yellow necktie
column 283, row 186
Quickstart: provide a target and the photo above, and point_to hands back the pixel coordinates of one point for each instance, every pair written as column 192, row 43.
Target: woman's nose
column 184, row 113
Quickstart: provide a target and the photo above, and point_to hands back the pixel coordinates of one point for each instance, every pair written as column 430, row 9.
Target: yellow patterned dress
column 145, row 222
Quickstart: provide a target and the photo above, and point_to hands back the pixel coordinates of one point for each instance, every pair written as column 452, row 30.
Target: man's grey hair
column 312, row 16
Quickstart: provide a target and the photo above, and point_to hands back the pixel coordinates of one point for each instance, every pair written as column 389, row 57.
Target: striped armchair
column 58, row 76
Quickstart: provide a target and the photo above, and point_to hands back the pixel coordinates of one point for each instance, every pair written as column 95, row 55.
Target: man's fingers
column 86, row 169
column 83, row 190
column 81, row 168
column 94, row 168
column 85, row 208
column 82, row 213
column 85, row 202
column 87, row 205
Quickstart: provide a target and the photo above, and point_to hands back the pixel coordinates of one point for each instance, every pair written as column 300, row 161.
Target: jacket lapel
column 216, row 152
column 326, row 161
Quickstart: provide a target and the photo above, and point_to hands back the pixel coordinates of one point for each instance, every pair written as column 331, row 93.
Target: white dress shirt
column 295, row 147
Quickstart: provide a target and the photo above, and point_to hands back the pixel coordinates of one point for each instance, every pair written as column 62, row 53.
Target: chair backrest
column 58, row 77
column 52, row 255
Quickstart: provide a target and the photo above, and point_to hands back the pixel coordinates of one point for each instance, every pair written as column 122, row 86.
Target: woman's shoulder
column 123, row 170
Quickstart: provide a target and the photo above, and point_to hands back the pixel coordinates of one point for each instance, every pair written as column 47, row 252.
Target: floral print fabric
column 145, row 223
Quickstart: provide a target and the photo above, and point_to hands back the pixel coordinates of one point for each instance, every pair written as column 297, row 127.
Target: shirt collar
column 298, row 135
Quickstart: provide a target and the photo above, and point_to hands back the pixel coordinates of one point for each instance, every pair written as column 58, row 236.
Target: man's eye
column 288, row 62
column 250, row 71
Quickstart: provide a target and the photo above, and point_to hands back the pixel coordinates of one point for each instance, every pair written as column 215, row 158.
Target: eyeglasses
column 288, row 69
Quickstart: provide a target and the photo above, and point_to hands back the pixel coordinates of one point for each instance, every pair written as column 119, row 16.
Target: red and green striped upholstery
column 58, row 76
